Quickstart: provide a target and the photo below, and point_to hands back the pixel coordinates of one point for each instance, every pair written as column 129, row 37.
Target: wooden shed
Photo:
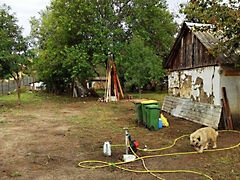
column 197, row 80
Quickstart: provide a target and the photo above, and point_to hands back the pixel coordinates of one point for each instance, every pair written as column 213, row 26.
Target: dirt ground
column 46, row 139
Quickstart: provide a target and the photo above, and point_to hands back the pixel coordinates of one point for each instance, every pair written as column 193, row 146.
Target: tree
column 225, row 18
column 72, row 30
column 140, row 64
column 74, row 38
column 13, row 46
column 152, row 21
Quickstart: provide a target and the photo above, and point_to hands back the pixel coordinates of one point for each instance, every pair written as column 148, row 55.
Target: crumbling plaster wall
column 199, row 84
column 232, row 85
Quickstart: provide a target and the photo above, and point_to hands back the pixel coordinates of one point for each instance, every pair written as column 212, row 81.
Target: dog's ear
column 199, row 139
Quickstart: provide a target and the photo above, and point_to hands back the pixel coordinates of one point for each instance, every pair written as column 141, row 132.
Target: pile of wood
column 112, row 86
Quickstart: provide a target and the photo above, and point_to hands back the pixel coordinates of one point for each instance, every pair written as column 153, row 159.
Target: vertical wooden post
column 227, row 109
column 224, row 116
column 116, row 81
column 238, row 100
column 109, row 82
column 106, row 85
column 120, row 87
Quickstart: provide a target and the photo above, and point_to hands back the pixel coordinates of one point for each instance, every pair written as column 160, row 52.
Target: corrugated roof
column 207, row 38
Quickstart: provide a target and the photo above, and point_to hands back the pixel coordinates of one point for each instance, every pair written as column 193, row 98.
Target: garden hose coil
column 118, row 164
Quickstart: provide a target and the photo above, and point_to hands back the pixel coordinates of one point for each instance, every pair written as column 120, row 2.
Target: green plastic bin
column 139, row 114
column 144, row 110
column 153, row 117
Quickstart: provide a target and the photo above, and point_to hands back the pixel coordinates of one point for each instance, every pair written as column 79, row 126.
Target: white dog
column 201, row 138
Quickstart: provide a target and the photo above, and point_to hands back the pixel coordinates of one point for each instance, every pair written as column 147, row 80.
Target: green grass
column 34, row 155
column 236, row 173
column 9, row 101
column 159, row 96
column 58, row 99
column 15, row 175
column 3, row 122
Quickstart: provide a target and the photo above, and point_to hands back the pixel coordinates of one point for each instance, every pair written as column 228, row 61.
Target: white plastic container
column 113, row 98
column 107, row 148
column 128, row 157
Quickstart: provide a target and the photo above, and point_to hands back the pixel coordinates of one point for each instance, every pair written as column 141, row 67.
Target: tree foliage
column 12, row 47
column 76, row 37
column 152, row 21
column 141, row 65
column 225, row 18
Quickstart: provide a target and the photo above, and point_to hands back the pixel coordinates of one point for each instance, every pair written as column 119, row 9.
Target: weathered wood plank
column 231, row 73
column 227, row 108
column 202, row 113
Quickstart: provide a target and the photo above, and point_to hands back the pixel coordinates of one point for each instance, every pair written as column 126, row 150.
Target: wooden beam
column 120, row 87
column 238, row 99
column 232, row 73
column 224, row 116
column 109, row 83
column 227, row 109
column 115, row 82
column 106, row 86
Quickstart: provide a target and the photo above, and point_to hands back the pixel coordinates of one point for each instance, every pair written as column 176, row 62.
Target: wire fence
column 11, row 85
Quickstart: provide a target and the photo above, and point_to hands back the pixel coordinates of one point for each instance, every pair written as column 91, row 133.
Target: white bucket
column 128, row 157
column 107, row 148
column 113, row 98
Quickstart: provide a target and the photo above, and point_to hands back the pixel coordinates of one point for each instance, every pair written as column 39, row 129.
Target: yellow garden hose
column 107, row 164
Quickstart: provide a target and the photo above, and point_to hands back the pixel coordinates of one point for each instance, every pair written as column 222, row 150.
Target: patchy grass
column 229, row 159
column 224, row 161
column 72, row 130
column 55, row 98
column 236, row 173
column 99, row 117
column 16, row 112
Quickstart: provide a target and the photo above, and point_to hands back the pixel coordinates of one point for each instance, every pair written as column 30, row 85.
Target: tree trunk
column 33, row 76
column 139, row 90
column 18, row 81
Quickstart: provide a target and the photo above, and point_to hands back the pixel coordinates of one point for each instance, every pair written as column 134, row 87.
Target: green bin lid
column 153, row 107
column 137, row 102
column 149, row 102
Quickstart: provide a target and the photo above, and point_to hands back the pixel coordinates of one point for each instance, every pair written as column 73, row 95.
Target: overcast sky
column 25, row 9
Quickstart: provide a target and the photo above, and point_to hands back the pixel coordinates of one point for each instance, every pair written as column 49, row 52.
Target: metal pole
column 126, row 138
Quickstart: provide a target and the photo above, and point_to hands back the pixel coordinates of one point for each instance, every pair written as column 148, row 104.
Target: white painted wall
column 232, row 85
column 211, row 82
